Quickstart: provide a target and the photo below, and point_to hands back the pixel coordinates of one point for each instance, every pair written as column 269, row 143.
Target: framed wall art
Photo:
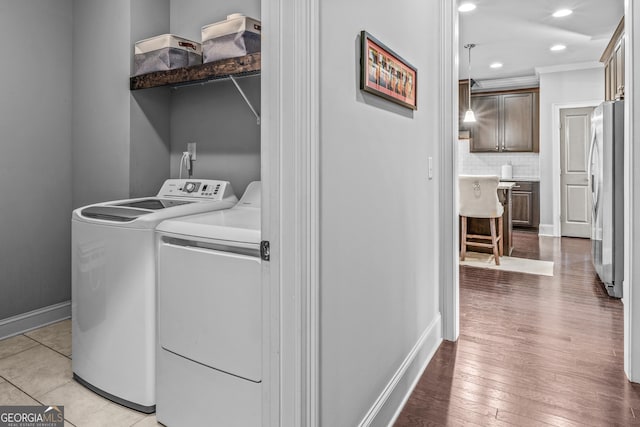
column 384, row 73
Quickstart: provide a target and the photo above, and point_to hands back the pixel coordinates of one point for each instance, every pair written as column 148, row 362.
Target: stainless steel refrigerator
column 606, row 175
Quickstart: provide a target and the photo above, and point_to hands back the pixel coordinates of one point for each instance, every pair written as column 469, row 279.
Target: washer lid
column 113, row 213
column 153, row 203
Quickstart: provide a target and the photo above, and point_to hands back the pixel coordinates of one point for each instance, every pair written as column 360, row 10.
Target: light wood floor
column 533, row 350
column 35, row 369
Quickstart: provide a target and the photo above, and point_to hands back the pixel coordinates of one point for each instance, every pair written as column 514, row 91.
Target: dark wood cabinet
column 613, row 60
column 525, row 200
column 518, row 122
column 486, row 130
column 505, row 121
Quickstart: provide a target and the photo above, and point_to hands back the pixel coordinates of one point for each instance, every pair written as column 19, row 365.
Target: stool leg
column 501, row 235
column 496, row 255
column 463, row 238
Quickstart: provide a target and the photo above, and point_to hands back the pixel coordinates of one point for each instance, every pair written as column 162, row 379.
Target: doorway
column 575, row 197
column 450, row 294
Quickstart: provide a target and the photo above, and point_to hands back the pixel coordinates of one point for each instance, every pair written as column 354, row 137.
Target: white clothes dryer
column 210, row 317
column 113, row 286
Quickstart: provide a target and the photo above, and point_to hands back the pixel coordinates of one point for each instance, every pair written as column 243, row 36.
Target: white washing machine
column 113, row 286
column 210, row 317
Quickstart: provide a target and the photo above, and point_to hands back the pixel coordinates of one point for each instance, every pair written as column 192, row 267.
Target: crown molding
column 568, row 67
column 507, row 83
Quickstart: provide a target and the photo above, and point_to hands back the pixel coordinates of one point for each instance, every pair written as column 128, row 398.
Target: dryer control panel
column 209, row 189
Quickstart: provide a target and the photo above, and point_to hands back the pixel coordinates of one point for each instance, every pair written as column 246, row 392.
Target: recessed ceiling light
column 466, row 7
column 562, row 12
column 558, row 47
column 496, row 65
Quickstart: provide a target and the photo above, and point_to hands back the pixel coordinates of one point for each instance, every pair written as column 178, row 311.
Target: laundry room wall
column 35, row 165
column 101, row 122
column 120, row 138
column 149, row 109
column 378, row 227
column 214, row 115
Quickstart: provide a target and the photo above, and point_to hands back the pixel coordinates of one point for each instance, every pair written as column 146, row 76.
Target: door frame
column 632, row 198
column 555, row 166
column 290, row 163
column 449, row 297
column 448, row 238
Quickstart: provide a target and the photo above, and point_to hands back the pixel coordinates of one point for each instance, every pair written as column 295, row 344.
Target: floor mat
column 522, row 265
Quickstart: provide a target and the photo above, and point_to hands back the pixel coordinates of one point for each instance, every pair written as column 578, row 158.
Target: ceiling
column 519, row 33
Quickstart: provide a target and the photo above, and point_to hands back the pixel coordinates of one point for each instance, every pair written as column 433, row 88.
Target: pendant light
column 469, row 117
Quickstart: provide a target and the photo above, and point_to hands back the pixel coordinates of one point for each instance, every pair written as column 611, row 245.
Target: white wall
column 378, row 223
column 215, row 116
column 35, row 165
column 560, row 88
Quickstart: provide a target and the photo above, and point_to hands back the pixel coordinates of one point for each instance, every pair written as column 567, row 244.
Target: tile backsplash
column 525, row 165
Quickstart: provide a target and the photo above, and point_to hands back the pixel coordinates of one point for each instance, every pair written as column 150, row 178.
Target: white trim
column 507, row 83
column 448, row 237
column 25, row 322
column 290, row 164
column 394, row 396
column 632, row 200
column 546, row 230
column 555, row 159
column 569, row 67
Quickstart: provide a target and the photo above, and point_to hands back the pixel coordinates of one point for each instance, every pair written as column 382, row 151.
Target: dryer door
column 209, row 308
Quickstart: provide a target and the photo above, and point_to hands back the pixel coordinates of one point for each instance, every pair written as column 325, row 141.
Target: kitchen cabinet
column 613, row 60
column 506, row 121
column 525, row 201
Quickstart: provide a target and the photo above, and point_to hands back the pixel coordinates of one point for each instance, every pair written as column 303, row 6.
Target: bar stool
column 478, row 198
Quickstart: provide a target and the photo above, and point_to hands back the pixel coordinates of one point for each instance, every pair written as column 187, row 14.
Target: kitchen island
column 481, row 226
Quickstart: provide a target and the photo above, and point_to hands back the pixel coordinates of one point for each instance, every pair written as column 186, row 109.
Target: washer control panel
column 209, row 189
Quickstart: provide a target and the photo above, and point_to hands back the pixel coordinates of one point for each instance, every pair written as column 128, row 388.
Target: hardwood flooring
column 533, row 350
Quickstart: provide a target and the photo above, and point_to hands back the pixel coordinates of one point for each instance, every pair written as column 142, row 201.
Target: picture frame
column 386, row 74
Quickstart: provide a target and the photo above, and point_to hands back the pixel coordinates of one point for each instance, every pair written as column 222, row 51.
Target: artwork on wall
column 384, row 73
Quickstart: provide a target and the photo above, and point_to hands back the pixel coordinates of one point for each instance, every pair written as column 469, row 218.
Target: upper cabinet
column 507, row 121
column 613, row 60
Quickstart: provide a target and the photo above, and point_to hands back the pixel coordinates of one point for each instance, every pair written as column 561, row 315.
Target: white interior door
column 575, row 140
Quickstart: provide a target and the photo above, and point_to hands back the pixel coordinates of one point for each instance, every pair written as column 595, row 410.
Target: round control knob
column 190, row 187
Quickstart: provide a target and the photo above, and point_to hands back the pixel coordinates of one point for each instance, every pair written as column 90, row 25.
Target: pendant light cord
column 469, row 46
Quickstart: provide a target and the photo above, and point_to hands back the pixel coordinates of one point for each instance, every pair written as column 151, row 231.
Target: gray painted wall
column 121, row 138
column 149, row 109
column 215, row 116
column 101, row 120
column 35, row 166
column 379, row 212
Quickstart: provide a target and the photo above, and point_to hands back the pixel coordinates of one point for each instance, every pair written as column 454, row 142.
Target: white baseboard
column 389, row 404
column 546, row 230
column 34, row 319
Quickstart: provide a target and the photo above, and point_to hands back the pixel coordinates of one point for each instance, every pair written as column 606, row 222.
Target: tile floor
column 35, row 368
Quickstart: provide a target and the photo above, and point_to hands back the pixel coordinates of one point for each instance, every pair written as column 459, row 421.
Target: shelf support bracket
column 253, row 110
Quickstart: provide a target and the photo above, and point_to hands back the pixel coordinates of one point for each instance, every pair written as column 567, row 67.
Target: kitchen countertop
column 520, row 179
column 505, row 185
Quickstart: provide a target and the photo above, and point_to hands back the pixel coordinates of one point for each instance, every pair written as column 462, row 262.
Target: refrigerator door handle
column 592, row 181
